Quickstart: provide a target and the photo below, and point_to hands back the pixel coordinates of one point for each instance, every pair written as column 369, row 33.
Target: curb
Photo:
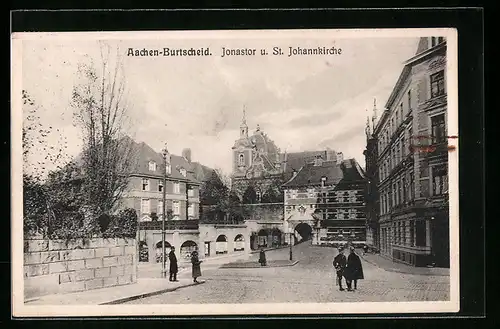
column 258, row 266
column 395, row 270
column 149, row 294
column 270, row 249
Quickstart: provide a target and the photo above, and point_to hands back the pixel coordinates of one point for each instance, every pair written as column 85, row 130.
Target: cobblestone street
column 311, row 280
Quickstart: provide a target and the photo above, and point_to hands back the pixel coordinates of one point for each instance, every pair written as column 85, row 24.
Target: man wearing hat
column 339, row 263
column 353, row 271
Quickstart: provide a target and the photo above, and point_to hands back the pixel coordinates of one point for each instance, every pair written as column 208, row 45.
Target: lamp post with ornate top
column 163, row 258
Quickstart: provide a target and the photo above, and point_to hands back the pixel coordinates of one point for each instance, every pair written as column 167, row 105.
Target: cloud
column 315, row 119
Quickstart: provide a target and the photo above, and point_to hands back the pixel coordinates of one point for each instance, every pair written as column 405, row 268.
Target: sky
column 300, row 102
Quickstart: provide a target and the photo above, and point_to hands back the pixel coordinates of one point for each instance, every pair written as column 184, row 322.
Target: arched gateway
column 304, row 231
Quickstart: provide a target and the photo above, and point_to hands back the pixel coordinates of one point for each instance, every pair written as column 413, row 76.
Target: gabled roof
column 310, row 175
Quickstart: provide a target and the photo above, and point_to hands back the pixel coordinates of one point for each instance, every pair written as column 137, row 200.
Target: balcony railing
column 169, row 225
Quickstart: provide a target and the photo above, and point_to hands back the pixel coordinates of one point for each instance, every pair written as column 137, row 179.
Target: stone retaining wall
column 58, row 266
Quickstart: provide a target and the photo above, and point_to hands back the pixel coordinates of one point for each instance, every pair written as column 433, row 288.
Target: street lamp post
column 291, row 244
column 163, row 233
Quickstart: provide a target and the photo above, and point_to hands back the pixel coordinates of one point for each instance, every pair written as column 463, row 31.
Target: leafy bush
column 122, row 225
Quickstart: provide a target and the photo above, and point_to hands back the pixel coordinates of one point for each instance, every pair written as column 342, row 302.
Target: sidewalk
column 389, row 265
column 114, row 295
column 273, row 263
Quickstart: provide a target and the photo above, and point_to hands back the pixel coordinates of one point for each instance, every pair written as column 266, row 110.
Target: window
column 259, row 196
column 160, row 186
column 152, row 166
column 177, row 188
column 403, row 146
column 191, row 210
column 411, row 192
column 438, row 129
column 241, row 159
column 437, row 84
column 145, row 184
column 145, row 206
column 168, row 169
column 310, row 193
column 439, row 180
column 433, row 41
column 176, row 207
column 183, row 172
column 403, row 189
column 323, row 181
column 159, row 208
column 412, row 229
column 409, row 99
column 190, row 191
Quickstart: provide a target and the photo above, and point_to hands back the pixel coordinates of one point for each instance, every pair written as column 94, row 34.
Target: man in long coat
column 339, row 263
column 173, row 265
column 196, row 268
column 353, row 270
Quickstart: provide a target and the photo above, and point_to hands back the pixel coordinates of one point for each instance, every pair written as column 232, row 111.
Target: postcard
column 181, row 173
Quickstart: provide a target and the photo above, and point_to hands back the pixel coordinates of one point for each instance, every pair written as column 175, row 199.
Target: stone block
column 125, row 279
column 76, row 244
column 130, row 250
column 116, row 270
column 32, row 258
column 41, row 285
column 120, row 242
column 49, row 256
column 58, row 267
column 38, row 245
column 103, row 272
column 77, row 254
column 94, row 284
column 93, row 262
column 57, row 245
column 111, row 281
column 101, row 252
column 109, row 242
column 116, row 251
column 40, row 269
column 95, row 243
column 125, row 260
column 67, row 277
column 84, row 275
column 26, row 270
column 110, row 261
column 76, row 265
column 72, row 286
column 129, row 269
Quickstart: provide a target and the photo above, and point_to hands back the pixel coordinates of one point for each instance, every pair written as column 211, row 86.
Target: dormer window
column 241, row 159
column 168, row 169
column 183, row 172
column 323, row 181
column 152, row 166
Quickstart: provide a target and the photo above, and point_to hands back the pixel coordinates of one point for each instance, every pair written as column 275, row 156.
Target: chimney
column 340, row 157
column 186, row 154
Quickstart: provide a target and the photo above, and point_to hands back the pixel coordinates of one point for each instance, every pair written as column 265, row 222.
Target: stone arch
column 239, row 242
column 262, row 238
column 187, row 247
column 305, row 231
column 277, row 235
column 221, row 244
column 158, row 246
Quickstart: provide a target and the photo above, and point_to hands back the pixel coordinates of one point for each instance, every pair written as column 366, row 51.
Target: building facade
column 412, row 161
column 326, row 200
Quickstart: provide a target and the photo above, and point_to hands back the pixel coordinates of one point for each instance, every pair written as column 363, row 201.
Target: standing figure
column 339, row 263
column 173, row 265
column 353, row 270
column 262, row 258
column 196, row 269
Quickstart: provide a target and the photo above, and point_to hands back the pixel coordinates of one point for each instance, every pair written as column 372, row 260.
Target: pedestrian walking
column 262, row 258
column 339, row 263
column 196, row 269
column 353, row 271
column 173, row 265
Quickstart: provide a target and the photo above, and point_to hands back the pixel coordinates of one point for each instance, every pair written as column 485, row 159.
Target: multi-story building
column 413, row 177
column 326, row 199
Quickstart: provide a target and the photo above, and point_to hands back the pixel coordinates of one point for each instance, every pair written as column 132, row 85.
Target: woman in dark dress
column 262, row 258
column 196, row 269
column 353, row 270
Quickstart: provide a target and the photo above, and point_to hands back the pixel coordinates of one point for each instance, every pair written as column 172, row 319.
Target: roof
column 202, row 173
column 310, row 175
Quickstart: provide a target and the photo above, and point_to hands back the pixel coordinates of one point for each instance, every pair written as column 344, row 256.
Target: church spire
column 374, row 117
column 243, row 126
column 367, row 128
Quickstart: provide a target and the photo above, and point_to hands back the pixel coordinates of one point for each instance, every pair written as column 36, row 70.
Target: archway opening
column 143, row 252
column 262, row 237
column 277, row 237
column 159, row 248
column 304, row 231
column 187, row 248
column 239, row 242
column 221, row 244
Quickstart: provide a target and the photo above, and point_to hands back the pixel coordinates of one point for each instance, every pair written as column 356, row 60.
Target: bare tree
column 101, row 111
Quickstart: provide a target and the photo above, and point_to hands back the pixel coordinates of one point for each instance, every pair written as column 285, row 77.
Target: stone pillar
column 176, row 242
column 428, row 241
